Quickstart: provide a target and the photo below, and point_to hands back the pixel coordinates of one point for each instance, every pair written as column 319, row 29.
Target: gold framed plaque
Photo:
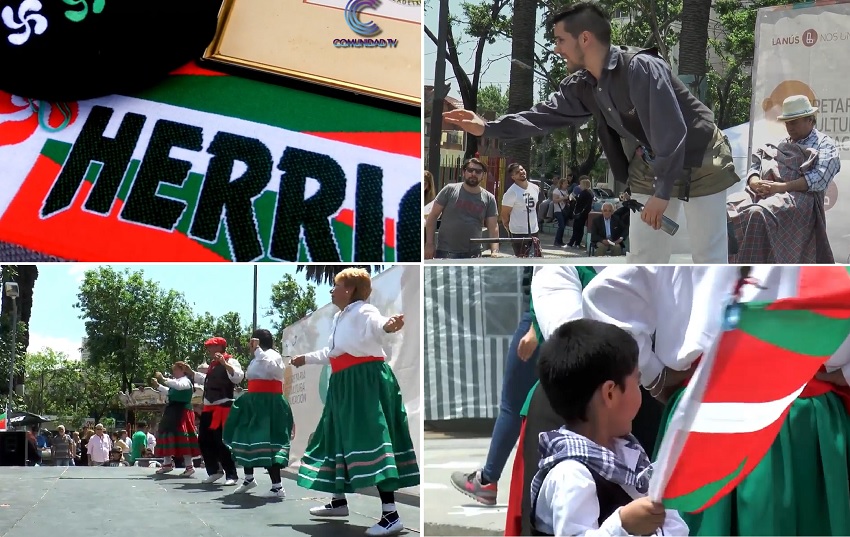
column 370, row 47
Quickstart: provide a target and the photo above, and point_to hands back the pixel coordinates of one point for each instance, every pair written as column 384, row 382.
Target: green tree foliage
column 730, row 91
column 289, row 303
column 483, row 22
column 72, row 390
column 491, row 99
column 133, row 326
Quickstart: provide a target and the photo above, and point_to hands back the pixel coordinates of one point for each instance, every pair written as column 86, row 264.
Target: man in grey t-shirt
column 465, row 208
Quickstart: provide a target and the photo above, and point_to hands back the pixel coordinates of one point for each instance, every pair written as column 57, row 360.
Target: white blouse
column 266, row 365
column 570, row 487
column 183, row 383
column 556, row 295
column 357, row 330
column 684, row 306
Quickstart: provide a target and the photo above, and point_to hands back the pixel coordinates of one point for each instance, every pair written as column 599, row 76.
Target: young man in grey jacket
column 658, row 138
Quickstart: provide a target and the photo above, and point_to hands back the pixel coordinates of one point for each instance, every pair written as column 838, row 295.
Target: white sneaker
column 379, row 531
column 213, row 478
column 245, row 487
column 328, row 510
column 274, row 493
column 230, row 482
column 188, row 472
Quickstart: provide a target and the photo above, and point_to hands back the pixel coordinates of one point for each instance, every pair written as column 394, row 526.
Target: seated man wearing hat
column 781, row 217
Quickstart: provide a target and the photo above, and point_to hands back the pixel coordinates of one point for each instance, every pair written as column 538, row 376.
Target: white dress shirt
column 556, row 295
column 569, row 488
column 266, row 365
column 685, row 307
column 357, row 330
column 98, row 448
column 183, row 383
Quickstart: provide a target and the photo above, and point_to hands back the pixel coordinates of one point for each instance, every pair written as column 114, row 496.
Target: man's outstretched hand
column 466, row 120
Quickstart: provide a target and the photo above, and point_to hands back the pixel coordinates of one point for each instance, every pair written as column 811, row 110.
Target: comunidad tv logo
column 368, row 30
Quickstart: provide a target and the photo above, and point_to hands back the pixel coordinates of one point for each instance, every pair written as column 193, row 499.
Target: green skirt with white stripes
column 362, row 439
column 258, row 430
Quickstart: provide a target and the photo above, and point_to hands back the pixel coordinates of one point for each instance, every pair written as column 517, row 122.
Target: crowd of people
column 90, row 446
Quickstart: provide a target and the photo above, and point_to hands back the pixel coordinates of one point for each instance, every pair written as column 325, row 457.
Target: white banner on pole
column 394, row 291
column 801, row 51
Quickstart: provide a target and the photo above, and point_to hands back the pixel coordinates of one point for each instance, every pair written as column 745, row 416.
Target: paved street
column 131, row 502
column 447, row 511
column 567, row 256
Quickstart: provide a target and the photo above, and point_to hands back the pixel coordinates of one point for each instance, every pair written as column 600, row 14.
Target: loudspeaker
column 13, row 448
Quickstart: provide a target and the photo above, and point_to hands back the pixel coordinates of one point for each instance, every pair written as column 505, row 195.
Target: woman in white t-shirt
column 519, row 208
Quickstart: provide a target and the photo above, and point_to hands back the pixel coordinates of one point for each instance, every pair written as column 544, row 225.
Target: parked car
column 604, row 195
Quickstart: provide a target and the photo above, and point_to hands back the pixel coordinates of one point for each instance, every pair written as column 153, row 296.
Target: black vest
column 698, row 118
column 217, row 385
column 611, row 497
column 542, row 418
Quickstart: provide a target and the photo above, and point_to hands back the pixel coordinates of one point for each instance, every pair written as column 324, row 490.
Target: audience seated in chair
column 606, row 233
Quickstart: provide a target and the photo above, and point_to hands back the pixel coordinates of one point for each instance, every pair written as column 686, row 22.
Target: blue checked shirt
column 828, row 164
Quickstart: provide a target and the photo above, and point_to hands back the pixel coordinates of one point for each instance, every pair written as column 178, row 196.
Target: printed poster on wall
column 799, row 51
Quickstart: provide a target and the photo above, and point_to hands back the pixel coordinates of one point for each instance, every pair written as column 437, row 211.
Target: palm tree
column 25, row 276
column 693, row 64
column 324, row 274
column 521, row 94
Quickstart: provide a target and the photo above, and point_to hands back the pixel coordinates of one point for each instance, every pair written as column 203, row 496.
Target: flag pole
column 12, row 367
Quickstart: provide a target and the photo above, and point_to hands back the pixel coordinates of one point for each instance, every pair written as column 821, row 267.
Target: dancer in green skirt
column 259, row 426
column 801, row 485
column 362, row 439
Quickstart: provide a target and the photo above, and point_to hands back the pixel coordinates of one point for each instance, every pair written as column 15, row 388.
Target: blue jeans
column 62, row 462
column 519, row 379
column 562, row 223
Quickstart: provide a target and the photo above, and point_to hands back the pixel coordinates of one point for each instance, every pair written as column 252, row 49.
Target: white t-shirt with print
column 523, row 204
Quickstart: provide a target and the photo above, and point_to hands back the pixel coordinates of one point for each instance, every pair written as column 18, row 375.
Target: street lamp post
column 12, row 292
column 255, row 300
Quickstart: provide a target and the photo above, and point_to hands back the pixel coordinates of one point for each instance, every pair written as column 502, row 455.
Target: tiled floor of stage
column 131, row 502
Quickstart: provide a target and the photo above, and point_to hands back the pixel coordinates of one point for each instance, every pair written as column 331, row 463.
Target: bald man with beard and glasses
column 658, row 138
column 465, row 208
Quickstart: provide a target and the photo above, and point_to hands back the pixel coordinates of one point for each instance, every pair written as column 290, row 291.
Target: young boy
column 590, row 477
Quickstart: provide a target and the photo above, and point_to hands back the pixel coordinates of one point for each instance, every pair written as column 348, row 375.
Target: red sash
column 265, row 386
column 219, row 415
column 817, row 387
column 513, row 523
column 344, row 361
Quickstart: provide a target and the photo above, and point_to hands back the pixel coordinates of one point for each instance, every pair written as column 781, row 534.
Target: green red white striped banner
column 736, row 403
column 209, row 167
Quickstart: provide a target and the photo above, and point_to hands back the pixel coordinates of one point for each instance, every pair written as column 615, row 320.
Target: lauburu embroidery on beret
column 28, row 21
column 80, row 14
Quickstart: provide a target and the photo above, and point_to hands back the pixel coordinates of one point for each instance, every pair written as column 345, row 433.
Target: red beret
column 216, row 341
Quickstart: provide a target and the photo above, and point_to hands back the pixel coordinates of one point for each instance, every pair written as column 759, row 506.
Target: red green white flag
column 737, row 400
column 3, row 421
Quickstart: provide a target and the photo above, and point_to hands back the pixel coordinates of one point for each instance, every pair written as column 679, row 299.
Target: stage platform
column 133, row 502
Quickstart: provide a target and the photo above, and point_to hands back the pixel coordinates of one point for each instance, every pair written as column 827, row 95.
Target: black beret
column 71, row 50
